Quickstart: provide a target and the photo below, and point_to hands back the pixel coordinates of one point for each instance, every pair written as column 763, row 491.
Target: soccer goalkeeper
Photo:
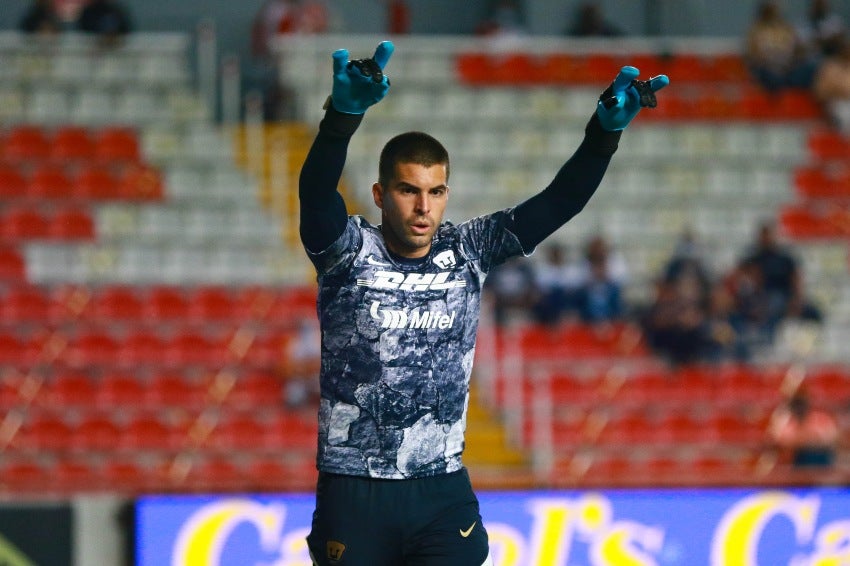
column 398, row 305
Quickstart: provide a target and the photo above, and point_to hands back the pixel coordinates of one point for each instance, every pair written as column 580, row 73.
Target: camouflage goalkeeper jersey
column 398, row 340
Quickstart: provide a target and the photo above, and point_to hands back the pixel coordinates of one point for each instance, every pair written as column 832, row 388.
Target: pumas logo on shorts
column 411, row 281
column 335, row 550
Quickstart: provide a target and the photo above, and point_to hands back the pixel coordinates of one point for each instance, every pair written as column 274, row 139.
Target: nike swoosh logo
column 465, row 533
column 372, row 261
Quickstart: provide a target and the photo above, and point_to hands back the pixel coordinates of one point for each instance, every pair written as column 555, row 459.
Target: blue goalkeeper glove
column 359, row 84
column 624, row 98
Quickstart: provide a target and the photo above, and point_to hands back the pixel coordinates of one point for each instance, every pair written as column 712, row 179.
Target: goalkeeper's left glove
column 624, row 98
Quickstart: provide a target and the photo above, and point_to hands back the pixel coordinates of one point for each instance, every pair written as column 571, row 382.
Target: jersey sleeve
column 342, row 251
column 487, row 240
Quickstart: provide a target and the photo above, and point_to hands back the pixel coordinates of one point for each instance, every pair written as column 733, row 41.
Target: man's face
column 412, row 207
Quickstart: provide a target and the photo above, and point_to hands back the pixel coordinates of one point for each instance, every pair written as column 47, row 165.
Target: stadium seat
column 165, row 304
column 236, row 432
column 26, row 143
column 137, row 182
column 50, row 181
column 140, row 348
column 70, row 389
column 12, row 266
column 25, row 304
column 13, row 184
column 75, row 475
column 20, row 224
column 91, row 348
column 117, row 390
column 116, row 144
column 44, row 433
column 150, row 434
column 210, row 304
column 95, row 434
column 23, row 475
column 173, row 390
column 256, row 389
column 71, row 143
column 71, row 224
column 96, row 182
column 116, row 303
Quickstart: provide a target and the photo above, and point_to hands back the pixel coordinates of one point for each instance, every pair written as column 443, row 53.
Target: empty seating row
column 67, row 143
column 523, row 69
column 128, row 475
column 282, row 432
column 155, row 304
column 86, row 183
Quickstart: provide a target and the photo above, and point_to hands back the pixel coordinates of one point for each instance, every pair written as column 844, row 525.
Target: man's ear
column 378, row 195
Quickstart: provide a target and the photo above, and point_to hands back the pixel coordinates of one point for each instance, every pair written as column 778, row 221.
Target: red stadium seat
column 44, row 433
column 236, row 433
column 92, row 349
column 215, row 474
column 151, row 434
column 256, row 389
column 71, row 389
column 172, row 390
column 75, row 475
column 140, row 348
column 290, row 430
column 50, row 182
column 210, row 304
column 116, row 144
column 71, row 143
column 23, row 475
column 189, row 348
column 97, row 182
column 137, row 182
column 25, row 304
column 12, row 267
column 21, row 224
column 95, row 434
column 26, row 143
column 71, row 224
column 166, row 304
column 117, row 303
column 118, row 390
column 13, row 184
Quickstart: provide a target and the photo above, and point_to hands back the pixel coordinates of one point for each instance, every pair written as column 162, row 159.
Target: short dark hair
column 411, row 147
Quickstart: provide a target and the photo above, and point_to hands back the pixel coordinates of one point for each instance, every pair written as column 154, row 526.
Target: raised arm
column 357, row 85
column 577, row 180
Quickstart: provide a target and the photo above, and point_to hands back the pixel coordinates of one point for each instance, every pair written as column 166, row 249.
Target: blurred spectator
column 273, row 19
column 675, row 324
column 511, row 286
column 724, row 336
column 504, row 20
column 41, row 18
column 781, row 279
column 302, row 364
column 599, row 294
column 106, row 18
column 687, row 259
column 832, row 86
column 805, row 436
column 556, row 281
column 774, row 52
column 823, row 29
column 590, row 21
column 398, row 17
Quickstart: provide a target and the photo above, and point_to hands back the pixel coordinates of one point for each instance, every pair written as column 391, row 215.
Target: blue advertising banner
column 683, row 527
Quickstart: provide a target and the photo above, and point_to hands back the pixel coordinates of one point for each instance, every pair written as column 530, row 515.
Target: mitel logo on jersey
column 411, row 281
column 425, row 319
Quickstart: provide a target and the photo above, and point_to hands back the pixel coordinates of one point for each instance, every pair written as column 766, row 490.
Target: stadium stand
column 151, row 284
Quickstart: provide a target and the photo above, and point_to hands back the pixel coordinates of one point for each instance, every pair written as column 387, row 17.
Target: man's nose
column 423, row 203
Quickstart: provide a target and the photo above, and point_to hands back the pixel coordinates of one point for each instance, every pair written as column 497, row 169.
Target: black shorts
column 432, row 521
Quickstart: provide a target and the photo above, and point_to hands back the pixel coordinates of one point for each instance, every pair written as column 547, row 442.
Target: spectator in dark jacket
column 41, row 18
column 105, row 18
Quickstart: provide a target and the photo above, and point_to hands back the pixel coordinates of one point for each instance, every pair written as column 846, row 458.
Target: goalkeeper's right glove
column 359, row 84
